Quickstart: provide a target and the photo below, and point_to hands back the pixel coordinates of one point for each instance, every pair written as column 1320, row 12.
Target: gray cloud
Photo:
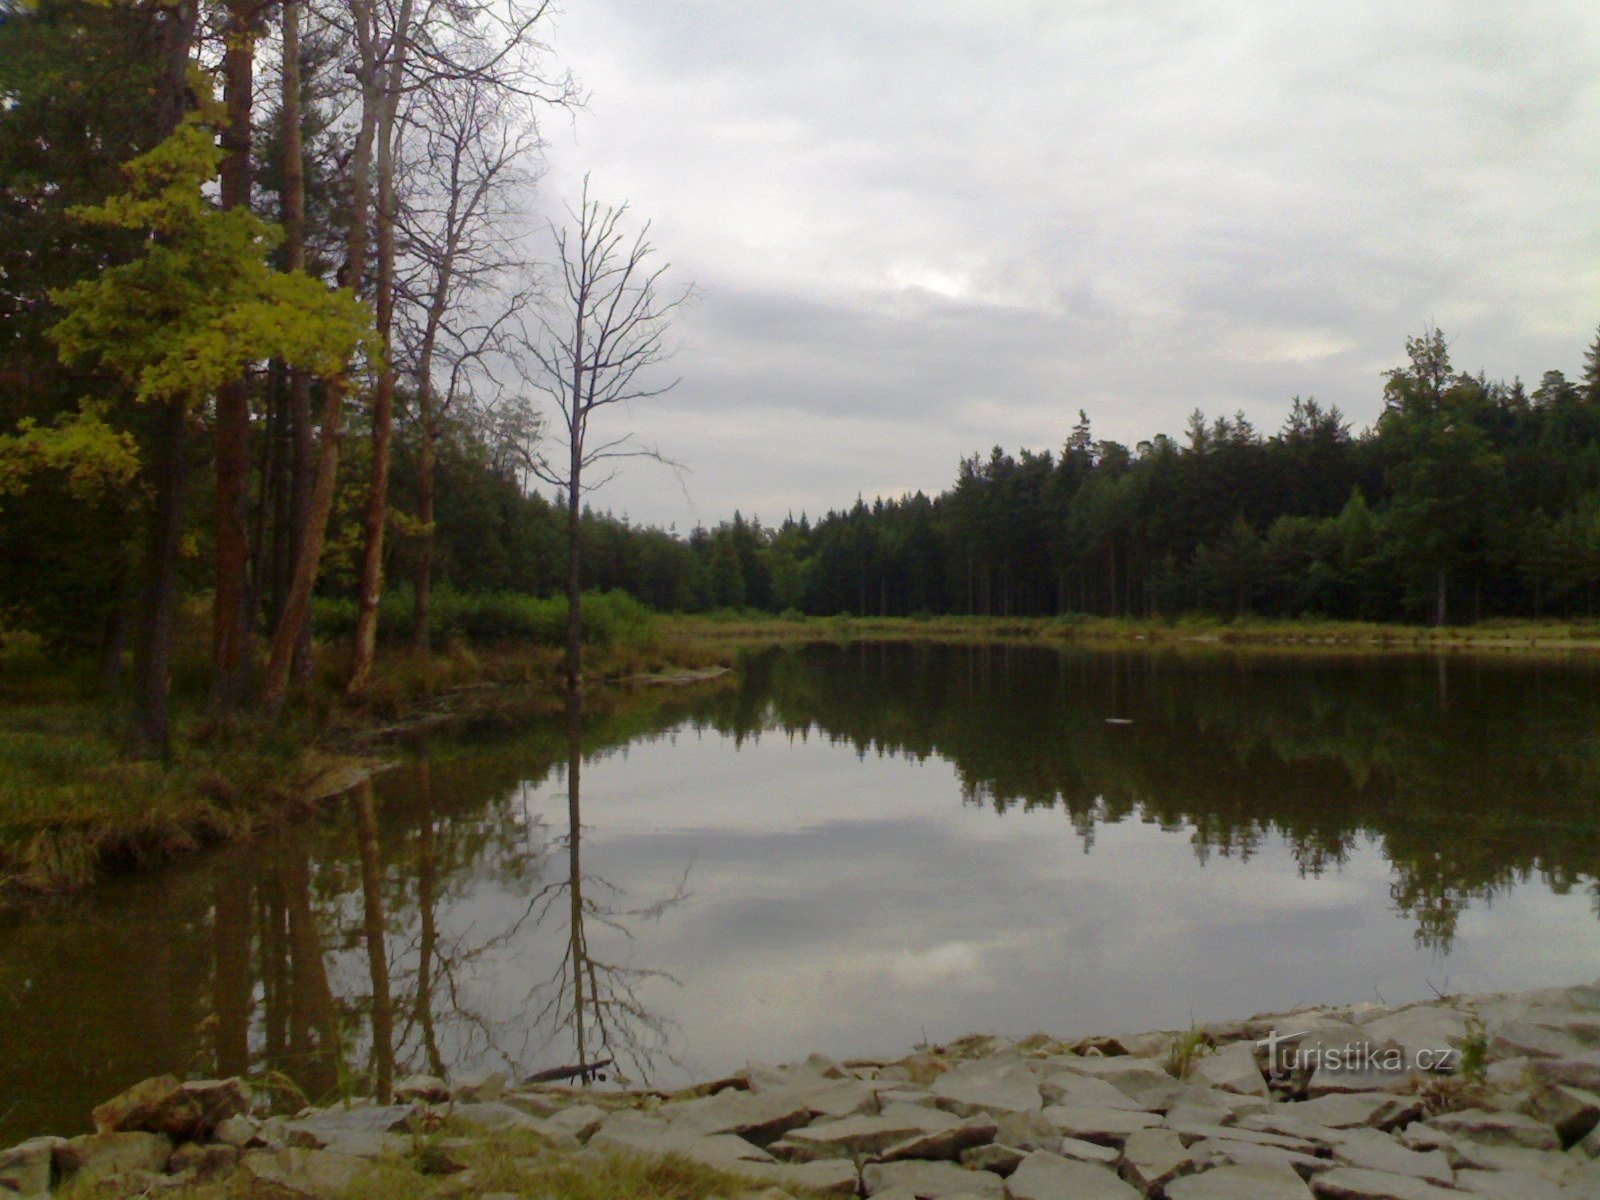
column 925, row 227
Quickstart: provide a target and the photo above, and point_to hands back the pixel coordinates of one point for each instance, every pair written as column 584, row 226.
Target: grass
column 512, row 1162
column 721, row 631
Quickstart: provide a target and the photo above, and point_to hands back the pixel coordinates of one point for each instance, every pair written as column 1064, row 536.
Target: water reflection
column 890, row 842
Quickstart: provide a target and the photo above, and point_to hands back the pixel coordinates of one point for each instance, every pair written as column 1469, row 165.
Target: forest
column 258, row 265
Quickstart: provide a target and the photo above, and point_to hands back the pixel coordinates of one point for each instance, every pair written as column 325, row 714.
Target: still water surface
column 852, row 850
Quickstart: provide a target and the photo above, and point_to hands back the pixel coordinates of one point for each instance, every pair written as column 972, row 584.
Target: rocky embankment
column 1493, row 1096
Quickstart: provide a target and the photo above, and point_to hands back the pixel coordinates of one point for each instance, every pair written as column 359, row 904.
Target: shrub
column 482, row 618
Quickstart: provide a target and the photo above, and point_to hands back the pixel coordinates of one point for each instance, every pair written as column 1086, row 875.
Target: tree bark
column 230, row 632
column 371, row 586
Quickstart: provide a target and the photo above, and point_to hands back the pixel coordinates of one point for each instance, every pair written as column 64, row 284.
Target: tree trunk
column 374, row 930
column 230, row 612
column 1440, row 613
column 421, row 634
column 152, row 656
column 371, row 586
column 574, row 661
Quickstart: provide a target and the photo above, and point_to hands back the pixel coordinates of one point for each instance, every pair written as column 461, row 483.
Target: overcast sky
column 924, row 227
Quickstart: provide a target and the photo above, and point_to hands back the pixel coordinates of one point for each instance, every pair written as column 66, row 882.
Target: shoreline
column 1269, row 1107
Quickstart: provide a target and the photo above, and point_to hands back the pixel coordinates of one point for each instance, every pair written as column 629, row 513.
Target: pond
column 853, row 850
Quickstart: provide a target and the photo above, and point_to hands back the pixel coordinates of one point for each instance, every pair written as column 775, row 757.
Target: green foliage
column 200, row 304
column 486, row 618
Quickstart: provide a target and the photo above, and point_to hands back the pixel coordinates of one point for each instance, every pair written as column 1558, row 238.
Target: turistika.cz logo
column 1287, row 1058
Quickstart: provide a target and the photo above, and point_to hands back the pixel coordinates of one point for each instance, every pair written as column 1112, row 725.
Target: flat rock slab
column 1215, row 1152
column 313, row 1173
column 998, row 1159
column 761, row 1117
column 989, row 1087
column 860, row 1135
column 1108, row 1126
column 356, row 1131
column 1574, row 1070
column 1253, row 1182
column 1153, row 1156
column 942, row 1144
column 1380, row 1152
column 1046, row 1176
column 830, row 1177
column 1232, row 1069
column 180, row 1110
column 1085, row 1091
column 1498, row 1128
column 1347, row 1110
column 1513, row 1185
column 1091, row 1152
column 1355, row 1183
column 931, row 1180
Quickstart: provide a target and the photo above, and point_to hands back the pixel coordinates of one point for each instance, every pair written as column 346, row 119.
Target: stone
column 1107, row 1126
column 236, row 1131
column 1525, row 1039
column 1572, row 1111
column 1287, row 1120
column 1344, row 1110
column 360, row 1131
column 1574, row 1070
column 1498, row 1128
column 1424, row 1029
column 1046, row 1176
column 101, row 1155
column 321, row 1174
column 485, row 1089
column 26, row 1168
column 946, row 1144
column 1117, row 1069
column 492, row 1115
column 1085, row 1091
column 1380, row 1152
column 931, row 1180
column 1215, row 1152
column 1081, row 1151
column 761, row 1117
column 986, row 1086
column 1511, row 1185
column 203, row 1162
column 829, row 1177
column 425, row 1089
column 860, row 1135
column 1356, row 1183
column 1199, row 1133
column 180, row 1110
column 1153, row 1156
column 1232, row 1069
column 995, row 1158
column 1026, row 1131
column 581, row 1120
column 1253, row 1182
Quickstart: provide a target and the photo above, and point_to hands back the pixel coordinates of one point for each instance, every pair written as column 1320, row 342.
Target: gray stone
column 830, row 1177
column 985, row 1086
column 237, row 1131
column 1498, row 1128
column 351, row 1131
column 1081, row 1151
column 180, row 1110
column 1153, row 1156
column 1026, row 1131
column 483, row 1090
column 101, row 1155
column 1260, row 1181
column 1573, row 1112
column 1232, row 1069
column 202, row 1162
column 1085, row 1091
column 1380, row 1152
column 1287, row 1120
column 995, row 1158
column 428, row 1089
column 1199, row 1133
column 854, row 1136
column 1117, row 1069
column 1525, row 1039
column 1046, row 1176
column 1215, row 1152
column 1511, row 1185
column 26, row 1168
column 1355, row 1183
column 490, row 1116
column 760, row 1117
column 1423, row 1028
column 1575, row 1070
column 1108, row 1126
column 946, row 1144
column 581, row 1120
column 931, row 1180
column 1380, row 1110
column 321, row 1174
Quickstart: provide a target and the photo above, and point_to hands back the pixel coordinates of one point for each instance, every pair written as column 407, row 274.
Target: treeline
column 1467, row 499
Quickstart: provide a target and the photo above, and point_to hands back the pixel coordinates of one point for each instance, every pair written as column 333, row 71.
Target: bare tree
column 597, row 347
column 466, row 158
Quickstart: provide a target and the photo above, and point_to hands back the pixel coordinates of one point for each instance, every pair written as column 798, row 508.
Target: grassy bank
column 715, row 633
column 73, row 804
